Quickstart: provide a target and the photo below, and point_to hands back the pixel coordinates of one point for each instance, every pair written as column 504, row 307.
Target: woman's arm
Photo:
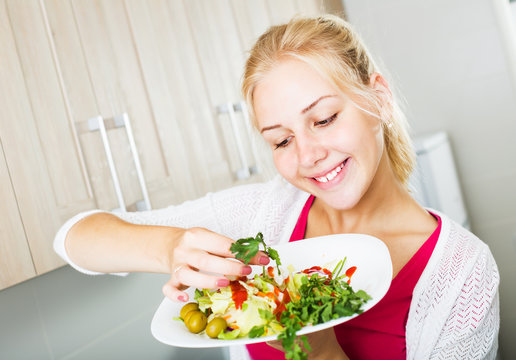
column 104, row 243
column 471, row 328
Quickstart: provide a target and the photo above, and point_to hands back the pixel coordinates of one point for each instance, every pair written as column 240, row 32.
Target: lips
column 330, row 175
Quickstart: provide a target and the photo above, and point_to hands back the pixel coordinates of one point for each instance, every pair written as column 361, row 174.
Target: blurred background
column 131, row 104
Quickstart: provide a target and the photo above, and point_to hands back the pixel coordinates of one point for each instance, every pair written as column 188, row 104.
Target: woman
column 339, row 142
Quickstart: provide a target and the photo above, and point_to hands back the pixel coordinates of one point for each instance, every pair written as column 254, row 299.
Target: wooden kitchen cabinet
column 15, row 260
column 168, row 64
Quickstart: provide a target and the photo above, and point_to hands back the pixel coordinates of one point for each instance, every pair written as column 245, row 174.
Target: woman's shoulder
column 460, row 241
column 459, row 257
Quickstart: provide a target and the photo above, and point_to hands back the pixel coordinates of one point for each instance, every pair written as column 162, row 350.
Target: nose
column 309, row 150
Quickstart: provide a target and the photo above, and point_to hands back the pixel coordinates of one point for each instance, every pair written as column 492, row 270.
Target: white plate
column 367, row 253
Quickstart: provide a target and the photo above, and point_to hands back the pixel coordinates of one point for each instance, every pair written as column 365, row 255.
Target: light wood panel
column 221, row 55
column 23, row 149
column 41, row 77
column 178, row 98
column 252, row 18
column 15, row 259
column 115, row 77
column 83, row 102
column 282, row 11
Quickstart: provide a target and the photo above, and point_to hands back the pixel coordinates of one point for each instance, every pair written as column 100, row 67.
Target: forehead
column 288, row 88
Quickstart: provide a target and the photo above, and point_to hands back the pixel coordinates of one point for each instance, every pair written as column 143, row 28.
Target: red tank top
column 380, row 325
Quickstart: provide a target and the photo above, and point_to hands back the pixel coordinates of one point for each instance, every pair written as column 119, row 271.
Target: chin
column 340, row 201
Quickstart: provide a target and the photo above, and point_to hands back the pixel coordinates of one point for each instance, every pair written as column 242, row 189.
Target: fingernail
column 222, row 282
column 264, row 260
column 182, row 298
column 246, row 270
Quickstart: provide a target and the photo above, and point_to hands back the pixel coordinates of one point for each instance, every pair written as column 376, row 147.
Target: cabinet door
column 34, row 128
column 114, row 85
column 129, row 51
column 176, row 89
column 15, row 260
column 221, row 56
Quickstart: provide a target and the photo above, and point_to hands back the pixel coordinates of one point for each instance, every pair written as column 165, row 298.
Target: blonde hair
column 330, row 46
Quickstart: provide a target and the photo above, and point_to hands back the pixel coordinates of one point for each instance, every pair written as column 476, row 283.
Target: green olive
column 187, row 316
column 187, row 308
column 215, row 327
column 196, row 322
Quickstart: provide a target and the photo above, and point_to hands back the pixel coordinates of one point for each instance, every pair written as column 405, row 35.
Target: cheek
column 284, row 163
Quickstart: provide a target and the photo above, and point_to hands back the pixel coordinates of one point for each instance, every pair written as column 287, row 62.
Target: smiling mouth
column 332, row 174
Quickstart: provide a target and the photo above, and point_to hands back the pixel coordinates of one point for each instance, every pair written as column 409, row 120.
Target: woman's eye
column 326, row 121
column 284, row 143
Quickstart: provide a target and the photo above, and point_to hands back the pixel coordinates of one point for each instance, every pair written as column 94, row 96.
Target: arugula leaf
column 273, row 254
column 245, row 249
column 257, row 331
column 265, row 314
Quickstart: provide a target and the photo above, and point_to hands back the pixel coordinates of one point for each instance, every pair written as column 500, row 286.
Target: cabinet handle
column 109, row 156
column 242, row 173
column 122, row 120
column 246, row 169
column 254, row 169
column 136, row 159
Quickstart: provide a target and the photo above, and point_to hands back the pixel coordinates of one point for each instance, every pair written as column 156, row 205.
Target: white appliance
column 435, row 183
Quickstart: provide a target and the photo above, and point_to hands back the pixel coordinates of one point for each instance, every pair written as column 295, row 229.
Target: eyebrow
column 309, row 107
column 304, row 111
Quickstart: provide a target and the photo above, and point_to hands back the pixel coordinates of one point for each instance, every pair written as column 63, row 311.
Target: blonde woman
column 340, row 145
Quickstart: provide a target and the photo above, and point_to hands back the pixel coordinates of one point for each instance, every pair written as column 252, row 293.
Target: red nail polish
column 222, row 282
column 246, row 270
column 182, row 298
column 264, row 260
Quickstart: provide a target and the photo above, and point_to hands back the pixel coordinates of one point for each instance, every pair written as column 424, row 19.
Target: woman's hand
column 200, row 258
column 324, row 346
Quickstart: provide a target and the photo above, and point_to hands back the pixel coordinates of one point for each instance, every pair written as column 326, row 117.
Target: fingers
column 214, row 264
column 208, row 241
column 260, row 259
column 184, row 277
column 217, row 244
column 173, row 292
column 198, row 257
column 189, row 277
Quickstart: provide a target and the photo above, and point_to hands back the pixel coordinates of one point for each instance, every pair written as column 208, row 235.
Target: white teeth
column 331, row 175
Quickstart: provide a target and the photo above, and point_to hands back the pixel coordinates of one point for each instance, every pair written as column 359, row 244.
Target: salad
column 274, row 302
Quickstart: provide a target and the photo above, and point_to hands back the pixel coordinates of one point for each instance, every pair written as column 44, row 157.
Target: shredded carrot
column 270, row 271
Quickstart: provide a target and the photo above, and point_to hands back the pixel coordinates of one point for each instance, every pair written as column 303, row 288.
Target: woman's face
column 321, row 142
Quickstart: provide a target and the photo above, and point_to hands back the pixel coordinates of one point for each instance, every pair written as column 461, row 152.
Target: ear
column 378, row 82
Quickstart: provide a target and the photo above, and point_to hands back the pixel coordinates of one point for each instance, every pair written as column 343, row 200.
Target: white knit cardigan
column 454, row 313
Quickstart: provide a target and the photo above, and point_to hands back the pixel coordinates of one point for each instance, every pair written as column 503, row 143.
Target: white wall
column 448, row 60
